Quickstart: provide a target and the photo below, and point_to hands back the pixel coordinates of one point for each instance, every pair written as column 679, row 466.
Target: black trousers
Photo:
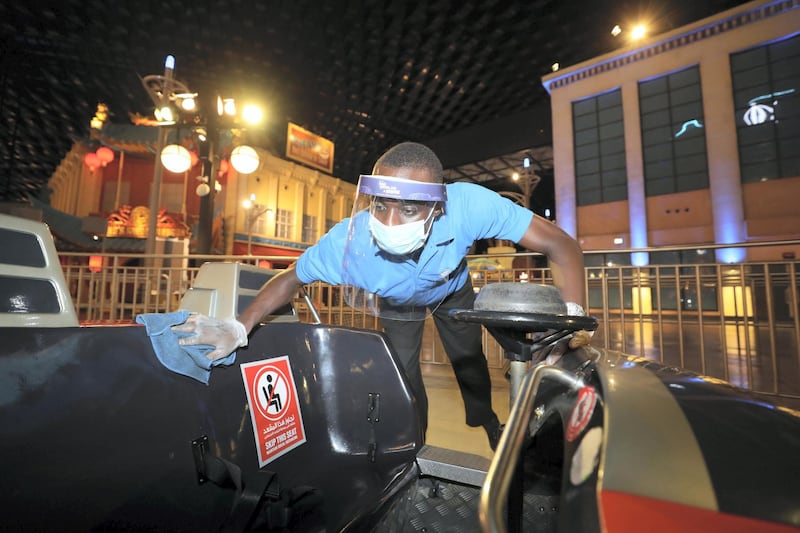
column 462, row 343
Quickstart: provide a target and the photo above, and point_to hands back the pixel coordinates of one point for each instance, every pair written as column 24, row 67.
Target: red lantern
column 92, row 161
column 105, row 155
column 194, row 157
column 95, row 263
column 223, row 167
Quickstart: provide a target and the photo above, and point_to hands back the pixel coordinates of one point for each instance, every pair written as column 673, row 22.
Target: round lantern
column 244, row 159
column 92, row 161
column 223, row 168
column 176, row 158
column 105, row 155
column 95, row 263
column 203, row 189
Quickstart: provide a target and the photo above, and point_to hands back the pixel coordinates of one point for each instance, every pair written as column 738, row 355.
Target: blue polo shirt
column 471, row 213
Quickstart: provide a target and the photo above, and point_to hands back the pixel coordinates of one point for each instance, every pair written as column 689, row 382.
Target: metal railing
column 736, row 322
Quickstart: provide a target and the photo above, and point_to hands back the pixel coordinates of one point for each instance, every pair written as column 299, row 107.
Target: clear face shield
column 391, row 220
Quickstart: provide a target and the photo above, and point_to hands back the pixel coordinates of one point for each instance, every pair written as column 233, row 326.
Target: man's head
column 393, row 216
column 406, row 193
column 411, row 161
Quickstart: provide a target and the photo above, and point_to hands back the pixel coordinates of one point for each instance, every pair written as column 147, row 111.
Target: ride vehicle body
column 97, row 434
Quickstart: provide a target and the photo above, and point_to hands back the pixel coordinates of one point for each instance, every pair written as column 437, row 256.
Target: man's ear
column 438, row 209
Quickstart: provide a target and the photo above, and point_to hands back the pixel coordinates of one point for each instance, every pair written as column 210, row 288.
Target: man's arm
column 564, row 253
column 276, row 293
column 225, row 335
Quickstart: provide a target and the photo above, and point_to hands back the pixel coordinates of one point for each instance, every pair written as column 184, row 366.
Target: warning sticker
column 274, row 408
column 581, row 413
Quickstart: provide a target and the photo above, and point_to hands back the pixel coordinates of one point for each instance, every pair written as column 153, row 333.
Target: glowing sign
column 688, row 124
column 758, row 114
column 313, row 150
column 770, row 95
column 761, row 113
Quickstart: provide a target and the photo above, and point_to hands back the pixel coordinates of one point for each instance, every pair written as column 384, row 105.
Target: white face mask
column 401, row 239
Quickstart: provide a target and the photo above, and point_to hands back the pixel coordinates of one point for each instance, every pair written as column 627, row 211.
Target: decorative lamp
column 244, row 159
column 105, row 155
column 95, row 263
column 92, row 161
column 165, row 115
column 176, row 158
column 223, row 167
column 203, row 188
column 229, row 106
column 252, row 114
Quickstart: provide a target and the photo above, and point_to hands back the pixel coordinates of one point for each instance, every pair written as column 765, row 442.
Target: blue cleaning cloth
column 187, row 360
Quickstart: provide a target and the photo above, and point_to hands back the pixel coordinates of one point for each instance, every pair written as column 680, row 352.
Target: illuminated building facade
column 690, row 138
column 292, row 205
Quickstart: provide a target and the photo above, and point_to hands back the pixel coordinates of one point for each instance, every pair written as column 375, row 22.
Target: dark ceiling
column 365, row 74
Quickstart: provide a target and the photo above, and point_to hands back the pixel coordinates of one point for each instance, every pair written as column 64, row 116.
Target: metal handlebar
column 494, row 492
column 310, row 304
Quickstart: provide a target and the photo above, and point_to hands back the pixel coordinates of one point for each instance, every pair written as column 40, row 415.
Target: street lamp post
column 165, row 91
column 253, row 212
column 205, row 221
column 527, row 182
column 226, row 114
column 155, row 191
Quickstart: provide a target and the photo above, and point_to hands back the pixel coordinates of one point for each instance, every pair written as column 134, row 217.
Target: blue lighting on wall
column 730, row 233
column 728, row 229
column 694, row 123
column 731, row 255
column 640, row 259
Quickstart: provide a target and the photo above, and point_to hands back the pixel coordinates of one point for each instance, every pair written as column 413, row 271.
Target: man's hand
column 577, row 339
column 224, row 335
column 580, row 338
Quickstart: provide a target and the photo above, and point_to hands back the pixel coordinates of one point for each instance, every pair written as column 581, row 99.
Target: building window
column 309, row 228
column 600, row 172
column 766, row 94
column 260, row 222
column 284, row 224
column 673, row 133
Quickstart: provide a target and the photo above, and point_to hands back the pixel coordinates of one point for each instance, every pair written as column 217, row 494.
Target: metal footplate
column 452, row 465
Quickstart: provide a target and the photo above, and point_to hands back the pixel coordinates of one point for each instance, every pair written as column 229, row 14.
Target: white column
column 564, row 166
column 724, row 175
column 634, row 163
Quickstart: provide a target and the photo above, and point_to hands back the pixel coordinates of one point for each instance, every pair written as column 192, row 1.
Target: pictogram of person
column 273, row 398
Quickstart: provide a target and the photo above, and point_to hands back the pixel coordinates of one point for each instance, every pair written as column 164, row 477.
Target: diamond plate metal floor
column 444, row 507
column 439, row 506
